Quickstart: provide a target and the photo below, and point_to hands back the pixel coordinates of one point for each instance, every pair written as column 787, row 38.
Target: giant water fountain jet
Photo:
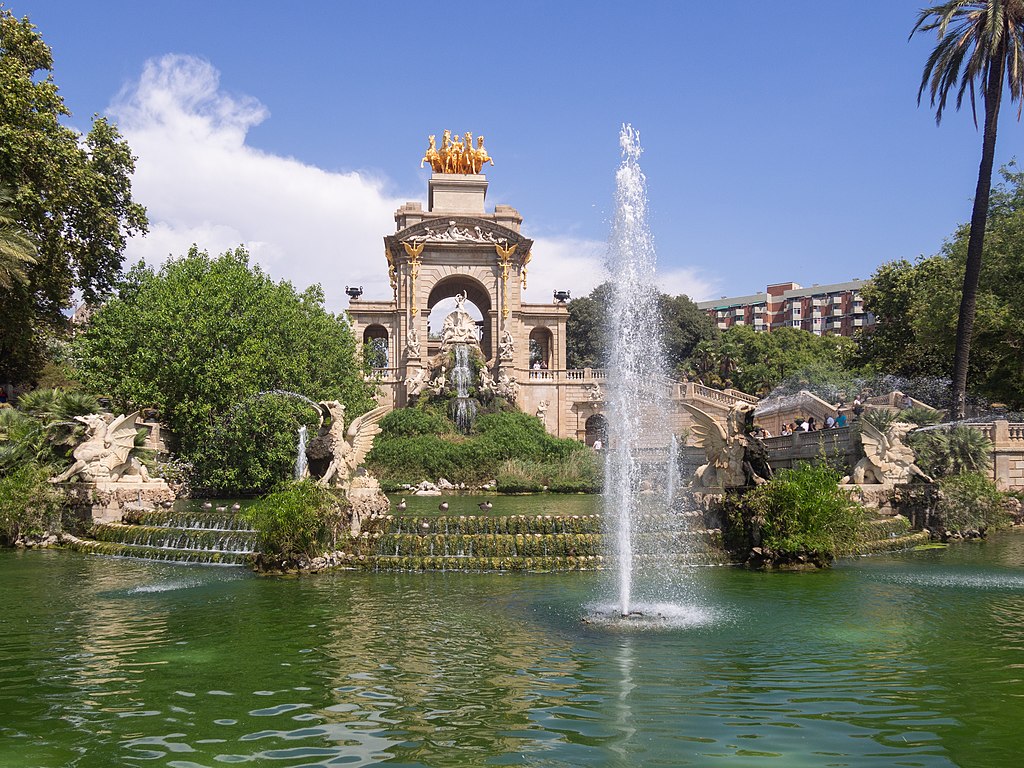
column 645, row 533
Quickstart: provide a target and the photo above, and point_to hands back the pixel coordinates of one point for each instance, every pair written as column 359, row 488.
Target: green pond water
column 914, row 659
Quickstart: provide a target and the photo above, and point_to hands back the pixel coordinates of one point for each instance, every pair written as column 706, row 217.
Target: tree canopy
column 916, row 305
column 980, row 47
column 758, row 362
column 199, row 339
column 70, row 196
column 683, row 327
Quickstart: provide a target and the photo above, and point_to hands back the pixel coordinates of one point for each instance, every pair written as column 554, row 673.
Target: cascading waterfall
column 461, row 378
column 638, row 418
column 300, row 457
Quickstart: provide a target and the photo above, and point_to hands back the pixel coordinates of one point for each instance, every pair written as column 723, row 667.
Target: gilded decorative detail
column 414, row 252
column 526, row 260
column 392, row 274
column 456, row 155
column 505, row 260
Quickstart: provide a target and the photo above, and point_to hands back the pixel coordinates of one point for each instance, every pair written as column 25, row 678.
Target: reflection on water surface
column 913, row 659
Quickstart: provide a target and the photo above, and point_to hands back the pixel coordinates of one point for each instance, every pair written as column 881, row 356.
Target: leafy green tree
column 916, row 306
column 892, row 345
column 758, row 362
column 683, row 327
column 199, row 339
column 71, row 194
column 586, row 330
column 980, row 45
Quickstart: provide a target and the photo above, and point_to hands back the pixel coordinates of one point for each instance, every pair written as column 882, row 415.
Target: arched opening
column 375, row 346
column 441, row 302
column 540, row 348
column 597, row 429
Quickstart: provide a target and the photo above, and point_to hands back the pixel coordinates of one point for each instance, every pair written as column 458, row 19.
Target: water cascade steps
column 504, row 542
column 214, row 538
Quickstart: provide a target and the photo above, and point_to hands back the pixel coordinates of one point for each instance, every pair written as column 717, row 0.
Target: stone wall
column 1007, row 467
column 837, row 445
column 1007, row 453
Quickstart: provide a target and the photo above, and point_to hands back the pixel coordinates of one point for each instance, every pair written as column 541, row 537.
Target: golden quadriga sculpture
column 456, row 155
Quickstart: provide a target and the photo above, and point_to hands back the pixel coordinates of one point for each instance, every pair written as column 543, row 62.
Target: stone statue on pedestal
column 728, row 451
column 887, row 459
column 506, row 347
column 459, row 327
column 346, row 449
column 412, row 345
column 105, row 455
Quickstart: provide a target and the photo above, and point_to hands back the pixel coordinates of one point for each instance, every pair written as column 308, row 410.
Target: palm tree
column 980, row 41
column 16, row 250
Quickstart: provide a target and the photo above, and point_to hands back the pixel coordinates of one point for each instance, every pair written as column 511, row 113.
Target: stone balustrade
column 579, row 375
column 1007, row 452
column 837, row 445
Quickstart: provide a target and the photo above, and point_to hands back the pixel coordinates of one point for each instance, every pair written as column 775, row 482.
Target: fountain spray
column 636, row 395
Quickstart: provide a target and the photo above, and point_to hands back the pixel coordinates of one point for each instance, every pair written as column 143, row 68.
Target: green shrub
column 923, row 417
column 969, row 501
column 254, row 449
column 879, row 418
column 410, row 422
column 29, row 505
column 418, row 444
column 800, row 514
column 953, row 451
column 43, row 428
column 300, row 519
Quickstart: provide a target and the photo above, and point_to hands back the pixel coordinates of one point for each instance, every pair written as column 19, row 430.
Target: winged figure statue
column 887, row 459
column 345, row 449
column 105, row 454
column 726, row 449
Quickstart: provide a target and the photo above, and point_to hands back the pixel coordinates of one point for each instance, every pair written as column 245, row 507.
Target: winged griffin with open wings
column 348, row 447
column 105, row 454
column 726, row 449
column 887, row 460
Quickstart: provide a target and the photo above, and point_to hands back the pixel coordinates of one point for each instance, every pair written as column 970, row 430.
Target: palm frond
column 975, row 37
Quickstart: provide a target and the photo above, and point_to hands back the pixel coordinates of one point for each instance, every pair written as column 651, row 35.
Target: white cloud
column 201, row 184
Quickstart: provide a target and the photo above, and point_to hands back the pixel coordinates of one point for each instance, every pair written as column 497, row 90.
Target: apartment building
column 837, row 309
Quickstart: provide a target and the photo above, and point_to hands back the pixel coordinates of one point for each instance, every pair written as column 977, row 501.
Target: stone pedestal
column 366, row 500
column 457, row 193
column 107, row 502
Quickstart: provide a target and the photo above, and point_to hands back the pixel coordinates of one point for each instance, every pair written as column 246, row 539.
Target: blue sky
column 781, row 145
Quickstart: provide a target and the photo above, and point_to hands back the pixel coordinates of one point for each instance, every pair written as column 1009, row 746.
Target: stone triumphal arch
column 456, row 249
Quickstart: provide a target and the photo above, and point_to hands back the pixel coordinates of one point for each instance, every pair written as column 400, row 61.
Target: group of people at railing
column 806, row 424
